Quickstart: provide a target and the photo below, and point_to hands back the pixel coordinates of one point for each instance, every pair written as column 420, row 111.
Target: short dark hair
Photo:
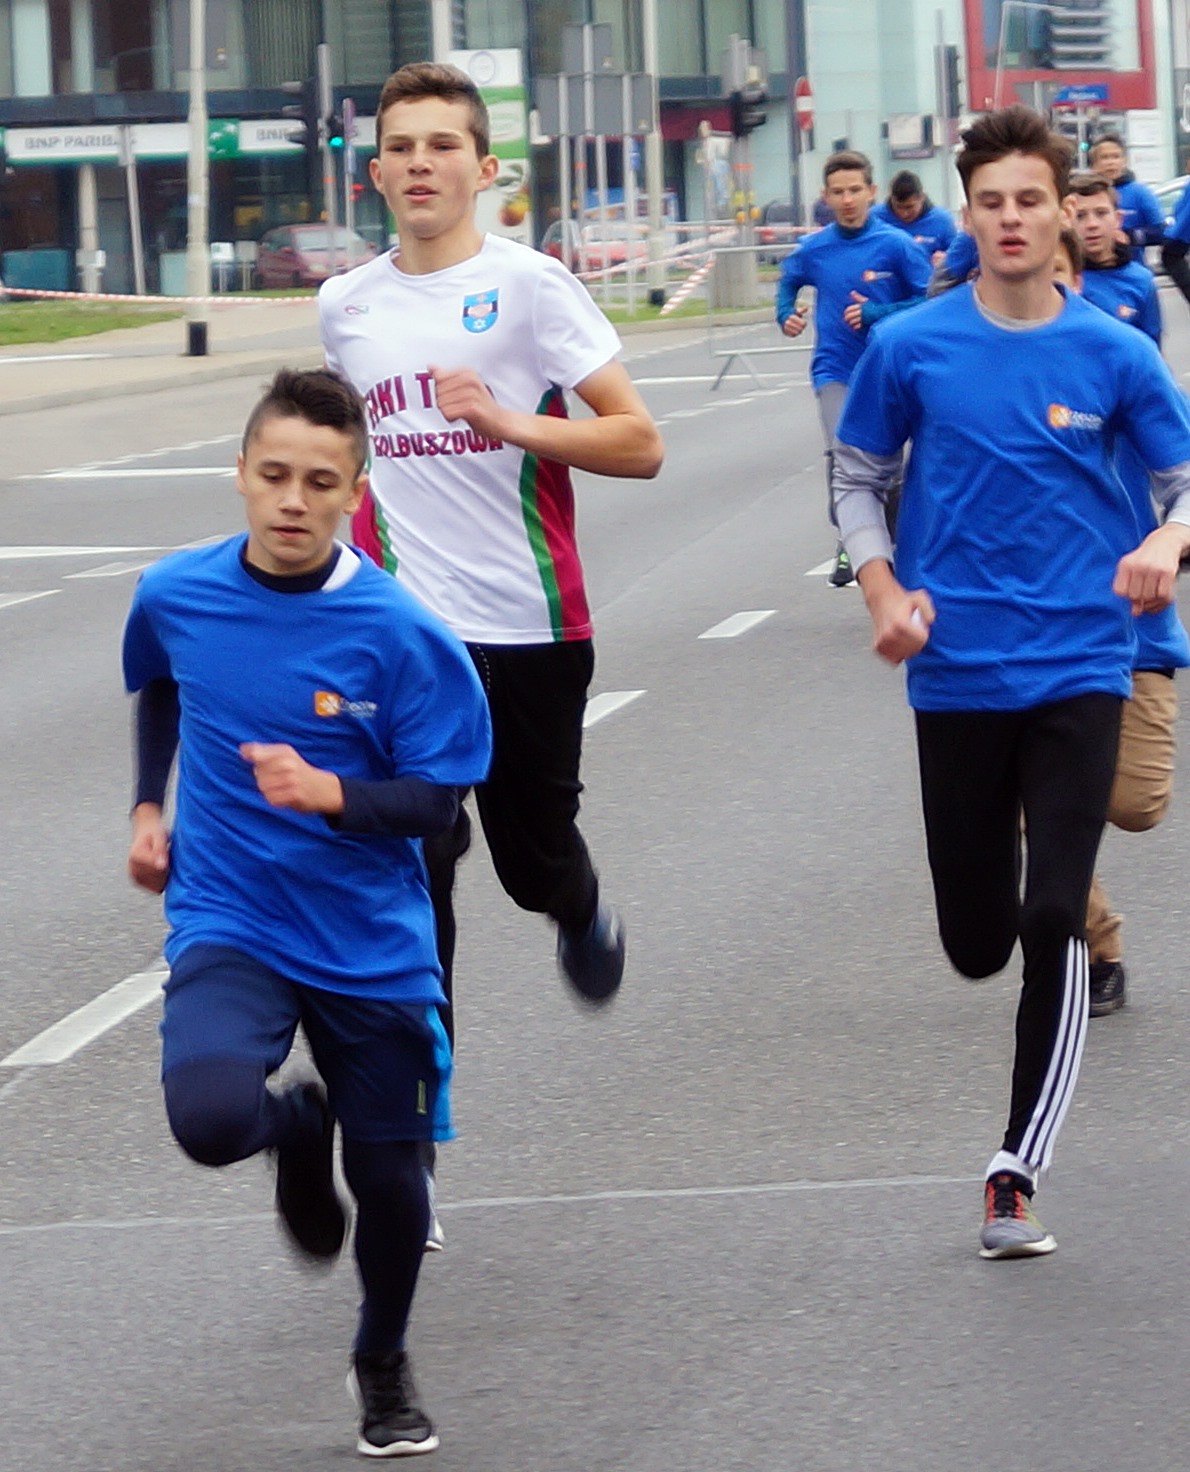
column 1073, row 247
column 905, row 185
column 1115, row 138
column 1015, row 129
column 1085, row 185
column 319, row 397
column 422, row 79
column 847, row 158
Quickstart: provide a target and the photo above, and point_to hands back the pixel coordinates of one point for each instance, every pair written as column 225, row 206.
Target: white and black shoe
column 392, row 1424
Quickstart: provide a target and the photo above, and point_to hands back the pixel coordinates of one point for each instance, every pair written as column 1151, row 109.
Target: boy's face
column 298, row 480
column 427, row 167
column 907, row 209
column 1096, row 220
column 849, row 196
column 1109, row 160
column 1064, row 272
column 1015, row 215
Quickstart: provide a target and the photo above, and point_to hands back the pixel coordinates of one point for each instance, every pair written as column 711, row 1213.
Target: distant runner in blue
column 959, row 264
column 323, row 721
column 1142, row 221
column 1177, row 244
column 1019, row 574
column 1143, row 784
column 908, row 208
column 862, row 272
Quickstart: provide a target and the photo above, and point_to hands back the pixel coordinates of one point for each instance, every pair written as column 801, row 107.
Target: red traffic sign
column 804, row 104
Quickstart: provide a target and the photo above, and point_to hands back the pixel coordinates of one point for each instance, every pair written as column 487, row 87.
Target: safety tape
column 147, row 301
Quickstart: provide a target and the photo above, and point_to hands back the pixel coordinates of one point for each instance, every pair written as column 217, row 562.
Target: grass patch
column 35, row 322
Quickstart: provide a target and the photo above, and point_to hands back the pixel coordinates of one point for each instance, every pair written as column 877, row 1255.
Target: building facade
column 90, row 88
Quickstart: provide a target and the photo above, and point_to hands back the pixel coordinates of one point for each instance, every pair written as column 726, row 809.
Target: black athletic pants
column 537, row 694
column 980, row 771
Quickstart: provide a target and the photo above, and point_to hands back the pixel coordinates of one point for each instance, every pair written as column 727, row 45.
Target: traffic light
column 334, row 130
column 308, row 116
column 749, row 109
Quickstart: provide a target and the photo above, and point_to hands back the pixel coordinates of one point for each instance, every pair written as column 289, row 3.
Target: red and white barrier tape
column 691, row 283
column 151, row 301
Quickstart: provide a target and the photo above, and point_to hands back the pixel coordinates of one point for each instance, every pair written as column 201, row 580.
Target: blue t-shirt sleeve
column 1149, row 222
column 874, row 415
column 1149, row 316
column 792, row 280
column 946, row 230
column 144, row 657
column 439, row 727
column 1155, row 413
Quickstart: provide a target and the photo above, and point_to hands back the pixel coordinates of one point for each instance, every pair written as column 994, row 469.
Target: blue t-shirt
column 878, row 263
column 933, row 229
column 962, row 257
column 1012, row 515
column 1141, row 218
column 1180, row 229
column 361, row 680
column 1128, row 293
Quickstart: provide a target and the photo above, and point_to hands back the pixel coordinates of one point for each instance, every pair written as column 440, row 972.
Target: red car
column 602, row 250
column 300, row 255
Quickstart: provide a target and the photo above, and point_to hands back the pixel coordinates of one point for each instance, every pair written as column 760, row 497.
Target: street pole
column 654, row 161
column 326, row 106
column 198, row 251
column 796, row 65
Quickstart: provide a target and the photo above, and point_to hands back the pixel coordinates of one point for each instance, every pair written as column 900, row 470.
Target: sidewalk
column 240, row 340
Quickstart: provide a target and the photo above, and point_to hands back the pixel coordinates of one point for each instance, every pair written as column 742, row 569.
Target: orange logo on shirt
column 1059, row 416
column 326, row 704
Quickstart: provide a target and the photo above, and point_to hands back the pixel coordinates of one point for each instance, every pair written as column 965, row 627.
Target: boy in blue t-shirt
column 1015, row 395
column 1142, row 221
column 323, row 722
column 1143, row 785
column 907, row 208
column 862, row 272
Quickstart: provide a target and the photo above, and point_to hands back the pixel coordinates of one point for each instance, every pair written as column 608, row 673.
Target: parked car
column 775, row 230
column 603, row 245
column 300, row 255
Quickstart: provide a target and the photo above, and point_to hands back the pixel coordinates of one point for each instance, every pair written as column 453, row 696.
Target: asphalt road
column 729, row 1223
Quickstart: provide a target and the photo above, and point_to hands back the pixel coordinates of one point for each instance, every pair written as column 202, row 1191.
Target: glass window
column 768, row 18
column 493, row 23
column 680, row 39
column 723, row 17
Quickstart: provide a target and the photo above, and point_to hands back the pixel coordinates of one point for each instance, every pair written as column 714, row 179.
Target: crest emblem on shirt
column 481, row 310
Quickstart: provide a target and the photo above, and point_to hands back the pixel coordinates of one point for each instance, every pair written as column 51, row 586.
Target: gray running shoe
column 1009, row 1227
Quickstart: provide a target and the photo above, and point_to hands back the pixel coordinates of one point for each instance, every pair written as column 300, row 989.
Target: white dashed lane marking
column 737, row 624
column 10, row 600
column 599, row 707
column 71, row 1034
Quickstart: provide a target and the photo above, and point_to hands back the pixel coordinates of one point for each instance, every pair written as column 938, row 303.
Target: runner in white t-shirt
column 463, row 347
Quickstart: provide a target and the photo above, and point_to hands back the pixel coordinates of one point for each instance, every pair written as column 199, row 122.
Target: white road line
column 70, row 1034
column 10, row 600
column 601, row 706
column 22, row 554
column 698, row 378
column 130, row 472
column 504, row 1203
column 110, row 570
column 54, row 358
column 737, row 624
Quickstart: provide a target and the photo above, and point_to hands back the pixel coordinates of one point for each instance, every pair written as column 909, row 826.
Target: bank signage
column 228, row 138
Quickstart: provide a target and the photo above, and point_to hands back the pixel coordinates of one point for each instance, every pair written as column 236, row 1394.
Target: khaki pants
column 1141, row 791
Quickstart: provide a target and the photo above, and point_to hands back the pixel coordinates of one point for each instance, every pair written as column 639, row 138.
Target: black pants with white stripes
column 981, row 771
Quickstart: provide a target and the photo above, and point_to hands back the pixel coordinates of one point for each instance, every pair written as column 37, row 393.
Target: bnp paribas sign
column 104, row 143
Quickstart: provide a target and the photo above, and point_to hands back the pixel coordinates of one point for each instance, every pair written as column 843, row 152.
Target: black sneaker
column 392, row 1424
column 592, row 960
column 307, row 1202
column 1108, row 980
column 841, row 574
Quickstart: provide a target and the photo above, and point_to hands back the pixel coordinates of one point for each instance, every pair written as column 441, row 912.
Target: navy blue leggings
column 220, row 1110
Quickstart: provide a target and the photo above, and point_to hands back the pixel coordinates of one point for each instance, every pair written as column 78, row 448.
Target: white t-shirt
column 481, row 531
